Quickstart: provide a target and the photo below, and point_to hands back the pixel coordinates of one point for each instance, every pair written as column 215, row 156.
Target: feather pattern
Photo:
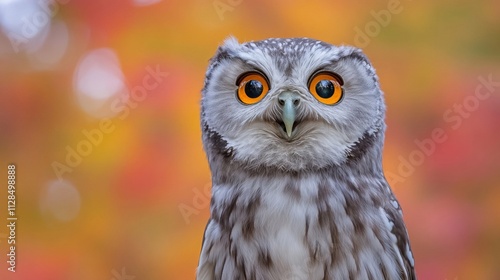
column 312, row 206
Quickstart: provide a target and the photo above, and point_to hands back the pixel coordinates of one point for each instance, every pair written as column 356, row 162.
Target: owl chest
column 278, row 232
column 293, row 230
column 281, row 227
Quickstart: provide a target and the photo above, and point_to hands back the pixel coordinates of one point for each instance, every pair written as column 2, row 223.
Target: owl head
column 291, row 105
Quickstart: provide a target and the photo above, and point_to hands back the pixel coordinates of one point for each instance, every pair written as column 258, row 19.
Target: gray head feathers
column 324, row 135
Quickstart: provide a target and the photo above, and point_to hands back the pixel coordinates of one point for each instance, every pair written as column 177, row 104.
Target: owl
column 293, row 130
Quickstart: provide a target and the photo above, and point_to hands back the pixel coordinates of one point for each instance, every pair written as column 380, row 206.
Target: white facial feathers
column 255, row 131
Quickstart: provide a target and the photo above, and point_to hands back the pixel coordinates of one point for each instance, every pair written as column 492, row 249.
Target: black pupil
column 253, row 88
column 325, row 88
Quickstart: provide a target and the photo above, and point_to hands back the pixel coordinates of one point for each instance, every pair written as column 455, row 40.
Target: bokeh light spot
column 54, row 48
column 98, row 80
column 60, row 200
column 145, row 2
column 26, row 23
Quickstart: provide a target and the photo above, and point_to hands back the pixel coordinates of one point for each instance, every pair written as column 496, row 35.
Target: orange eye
column 327, row 87
column 252, row 87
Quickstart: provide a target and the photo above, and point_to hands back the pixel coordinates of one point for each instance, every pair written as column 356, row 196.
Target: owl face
column 290, row 104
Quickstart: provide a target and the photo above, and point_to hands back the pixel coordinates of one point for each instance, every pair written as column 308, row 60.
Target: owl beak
column 288, row 101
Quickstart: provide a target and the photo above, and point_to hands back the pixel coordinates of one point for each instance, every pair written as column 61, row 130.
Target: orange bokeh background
column 136, row 201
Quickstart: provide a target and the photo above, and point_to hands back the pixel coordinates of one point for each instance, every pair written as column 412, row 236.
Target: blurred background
column 99, row 111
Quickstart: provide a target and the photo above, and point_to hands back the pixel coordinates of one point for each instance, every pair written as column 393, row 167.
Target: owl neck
column 364, row 158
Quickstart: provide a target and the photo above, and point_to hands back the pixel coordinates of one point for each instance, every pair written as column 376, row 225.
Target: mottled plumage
column 298, row 190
